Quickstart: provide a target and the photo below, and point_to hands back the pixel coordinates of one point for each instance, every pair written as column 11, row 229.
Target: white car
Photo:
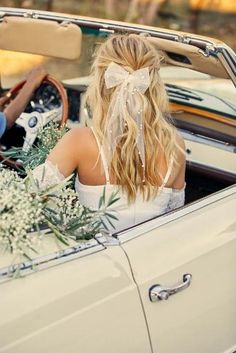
column 168, row 284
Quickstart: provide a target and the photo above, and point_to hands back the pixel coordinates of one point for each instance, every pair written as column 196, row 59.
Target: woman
column 132, row 146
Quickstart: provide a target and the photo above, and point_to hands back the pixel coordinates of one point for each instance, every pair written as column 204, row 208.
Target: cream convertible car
column 167, row 285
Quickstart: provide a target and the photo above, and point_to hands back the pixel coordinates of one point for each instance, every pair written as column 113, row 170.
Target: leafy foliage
column 25, row 210
column 37, row 154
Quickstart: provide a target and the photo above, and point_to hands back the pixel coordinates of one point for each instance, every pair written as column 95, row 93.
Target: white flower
column 20, row 212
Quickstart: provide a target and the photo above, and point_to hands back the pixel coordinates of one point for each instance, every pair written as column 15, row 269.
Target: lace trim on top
column 47, row 174
column 177, row 199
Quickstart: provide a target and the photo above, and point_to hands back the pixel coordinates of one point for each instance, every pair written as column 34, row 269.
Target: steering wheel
column 35, row 120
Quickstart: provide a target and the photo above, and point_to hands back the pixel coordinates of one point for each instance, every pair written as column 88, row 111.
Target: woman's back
column 91, row 181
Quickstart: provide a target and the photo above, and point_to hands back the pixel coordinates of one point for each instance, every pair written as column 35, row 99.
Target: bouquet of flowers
column 25, row 211
column 20, row 213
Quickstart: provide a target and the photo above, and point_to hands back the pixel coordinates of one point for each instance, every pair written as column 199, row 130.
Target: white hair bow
column 127, row 100
column 116, row 75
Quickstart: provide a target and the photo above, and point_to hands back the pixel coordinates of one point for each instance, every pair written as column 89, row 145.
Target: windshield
column 14, row 67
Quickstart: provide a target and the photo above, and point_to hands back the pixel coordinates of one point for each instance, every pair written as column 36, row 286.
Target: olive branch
column 26, row 211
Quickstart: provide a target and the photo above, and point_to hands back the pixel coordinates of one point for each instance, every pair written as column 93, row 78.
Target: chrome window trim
column 155, row 223
column 228, row 62
column 50, row 260
column 203, row 140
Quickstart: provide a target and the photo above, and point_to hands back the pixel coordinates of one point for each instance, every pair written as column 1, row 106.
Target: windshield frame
column 208, row 46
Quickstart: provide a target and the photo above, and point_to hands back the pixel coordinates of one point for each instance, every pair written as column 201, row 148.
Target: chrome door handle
column 158, row 292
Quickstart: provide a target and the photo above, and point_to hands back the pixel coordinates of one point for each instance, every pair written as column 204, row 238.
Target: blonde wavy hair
column 134, row 52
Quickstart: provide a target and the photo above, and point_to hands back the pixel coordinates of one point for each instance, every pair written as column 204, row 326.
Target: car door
column 87, row 303
column 199, row 240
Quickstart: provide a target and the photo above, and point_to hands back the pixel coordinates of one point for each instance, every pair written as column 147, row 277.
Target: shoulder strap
column 103, row 158
column 168, row 171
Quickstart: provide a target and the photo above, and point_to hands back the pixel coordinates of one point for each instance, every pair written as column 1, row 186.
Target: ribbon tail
column 113, row 128
column 140, row 140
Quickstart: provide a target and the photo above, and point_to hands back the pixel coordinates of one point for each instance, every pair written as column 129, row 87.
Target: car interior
column 207, row 122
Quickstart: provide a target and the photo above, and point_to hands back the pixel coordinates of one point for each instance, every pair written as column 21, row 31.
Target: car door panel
column 90, row 304
column 202, row 317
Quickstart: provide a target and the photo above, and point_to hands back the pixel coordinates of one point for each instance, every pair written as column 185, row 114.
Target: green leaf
column 110, row 215
column 112, row 199
column 109, row 221
column 102, row 199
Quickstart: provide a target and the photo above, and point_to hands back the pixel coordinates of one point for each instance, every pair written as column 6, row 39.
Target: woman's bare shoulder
column 79, row 136
column 74, row 140
column 79, row 132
